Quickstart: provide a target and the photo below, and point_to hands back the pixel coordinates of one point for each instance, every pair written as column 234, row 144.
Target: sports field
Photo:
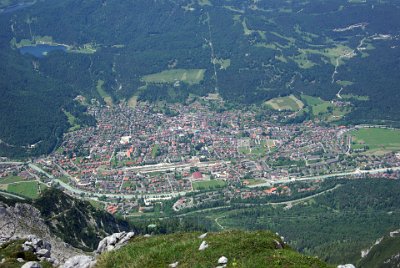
column 207, row 185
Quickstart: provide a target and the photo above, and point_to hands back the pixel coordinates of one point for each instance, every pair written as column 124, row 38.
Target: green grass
column 208, row 185
column 72, row 121
column 64, row 179
column 188, row 76
column 317, row 105
column 223, row 63
column 88, row 48
column 332, row 53
column 312, row 101
column 246, row 30
column 344, row 83
column 28, row 189
column 378, row 140
column 11, row 179
column 356, row 97
column 302, row 61
column 258, row 150
column 254, row 181
column 325, row 110
column 132, row 102
column 100, row 89
column 243, row 249
column 290, row 103
column 98, row 205
column 154, row 150
column 205, row 3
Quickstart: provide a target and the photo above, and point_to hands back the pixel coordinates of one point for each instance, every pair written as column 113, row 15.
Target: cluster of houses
column 143, row 151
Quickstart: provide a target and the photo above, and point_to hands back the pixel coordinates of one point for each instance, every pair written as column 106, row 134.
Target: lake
column 40, row 51
column 16, row 7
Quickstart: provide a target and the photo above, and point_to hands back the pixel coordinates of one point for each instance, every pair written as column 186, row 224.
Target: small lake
column 40, row 51
column 16, row 7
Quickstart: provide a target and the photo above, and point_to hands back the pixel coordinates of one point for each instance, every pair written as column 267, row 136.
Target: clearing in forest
column 188, row 76
column 290, row 103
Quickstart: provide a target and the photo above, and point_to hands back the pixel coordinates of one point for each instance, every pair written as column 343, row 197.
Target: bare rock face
column 23, row 221
column 42, row 249
column 80, row 261
column 203, row 245
column 114, row 241
column 31, row 264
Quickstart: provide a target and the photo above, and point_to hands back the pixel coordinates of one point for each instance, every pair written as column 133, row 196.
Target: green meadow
column 377, row 140
column 188, row 76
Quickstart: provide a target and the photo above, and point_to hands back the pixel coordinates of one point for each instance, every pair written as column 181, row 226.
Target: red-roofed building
column 197, row 175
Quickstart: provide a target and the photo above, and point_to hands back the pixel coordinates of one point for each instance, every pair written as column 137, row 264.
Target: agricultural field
column 290, row 103
column 325, row 110
column 188, row 76
column 28, row 189
column 208, row 185
column 335, row 55
column 376, row 140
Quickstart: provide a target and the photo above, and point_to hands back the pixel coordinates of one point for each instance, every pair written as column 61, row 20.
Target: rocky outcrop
column 109, row 243
column 76, row 221
column 42, row 249
column 23, row 221
column 31, row 264
column 203, row 245
column 80, row 261
column 114, row 241
column 346, row 266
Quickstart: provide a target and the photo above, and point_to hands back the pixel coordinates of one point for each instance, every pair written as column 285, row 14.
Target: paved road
column 11, row 195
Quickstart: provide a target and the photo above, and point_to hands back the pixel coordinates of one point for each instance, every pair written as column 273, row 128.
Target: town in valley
column 197, row 155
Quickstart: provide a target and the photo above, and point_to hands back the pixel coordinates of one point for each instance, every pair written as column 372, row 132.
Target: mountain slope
column 75, row 221
column 242, row 249
column 247, row 51
column 386, row 253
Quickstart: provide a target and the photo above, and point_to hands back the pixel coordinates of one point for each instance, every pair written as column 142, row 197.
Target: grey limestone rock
column 79, row 261
column 223, row 260
column 114, row 241
column 173, row 265
column 203, row 245
column 43, row 253
column 31, row 264
column 203, row 236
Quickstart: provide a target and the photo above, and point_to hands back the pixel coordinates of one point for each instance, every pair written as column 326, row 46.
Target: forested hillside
column 247, row 51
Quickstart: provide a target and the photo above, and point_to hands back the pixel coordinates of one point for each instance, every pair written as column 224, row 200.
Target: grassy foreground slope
column 243, row 249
